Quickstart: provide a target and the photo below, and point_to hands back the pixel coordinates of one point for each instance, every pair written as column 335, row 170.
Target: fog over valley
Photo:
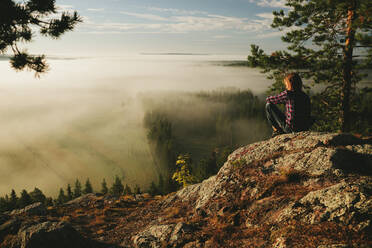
column 85, row 117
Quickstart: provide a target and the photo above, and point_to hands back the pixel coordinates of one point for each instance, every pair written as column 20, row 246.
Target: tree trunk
column 347, row 70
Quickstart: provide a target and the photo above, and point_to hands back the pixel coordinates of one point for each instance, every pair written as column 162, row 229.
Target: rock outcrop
column 49, row 234
column 295, row 190
column 34, row 209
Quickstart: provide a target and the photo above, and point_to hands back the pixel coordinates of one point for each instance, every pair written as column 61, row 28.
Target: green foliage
column 117, row 188
column 239, row 162
column 24, row 199
column 69, row 193
column 88, row 187
column 61, row 197
column 322, row 36
column 183, row 174
column 127, row 190
column 77, row 189
column 37, row 196
column 362, row 111
column 137, row 189
column 48, row 201
column 19, row 20
column 13, row 200
column 4, row 204
column 104, row 189
column 161, row 138
column 153, row 190
column 161, row 185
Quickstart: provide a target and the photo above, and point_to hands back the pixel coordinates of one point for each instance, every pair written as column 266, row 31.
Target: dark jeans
column 276, row 118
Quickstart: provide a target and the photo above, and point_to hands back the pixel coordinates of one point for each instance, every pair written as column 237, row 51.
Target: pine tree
column 183, row 174
column 37, row 196
column 117, row 187
column 127, row 190
column 4, row 205
column 13, row 201
column 88, row 187
column 24, row 199
column 104, row 189
column 153, row 190
column 18, row 22
column 69, row 193
column 137, row 189
column 61, row 197
column 330, row 42
column 161, row 185
column 49, row 201
column 77, row 189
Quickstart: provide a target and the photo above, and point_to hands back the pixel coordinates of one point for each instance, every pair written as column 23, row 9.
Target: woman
column 297, row 105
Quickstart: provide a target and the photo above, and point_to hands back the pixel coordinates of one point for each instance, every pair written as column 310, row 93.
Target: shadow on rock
column 352, row 162
column 348, row 139
column 53, row 234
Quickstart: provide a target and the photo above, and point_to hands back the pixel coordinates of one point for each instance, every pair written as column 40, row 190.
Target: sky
column 118, row 27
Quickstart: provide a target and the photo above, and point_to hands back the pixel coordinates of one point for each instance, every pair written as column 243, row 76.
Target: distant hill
column 175, row 54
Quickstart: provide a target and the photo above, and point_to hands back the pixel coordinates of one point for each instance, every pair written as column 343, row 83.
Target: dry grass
column 172, row 212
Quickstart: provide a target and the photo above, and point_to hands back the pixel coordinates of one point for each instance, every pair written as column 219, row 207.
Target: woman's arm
column 281, row 98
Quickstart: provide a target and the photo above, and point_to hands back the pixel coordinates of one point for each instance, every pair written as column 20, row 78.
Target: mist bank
column 85, row 117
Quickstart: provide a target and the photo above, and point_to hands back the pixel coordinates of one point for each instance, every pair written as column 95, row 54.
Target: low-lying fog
column 82, row 119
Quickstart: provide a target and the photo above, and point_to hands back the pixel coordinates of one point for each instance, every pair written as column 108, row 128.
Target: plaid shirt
column 289, row 109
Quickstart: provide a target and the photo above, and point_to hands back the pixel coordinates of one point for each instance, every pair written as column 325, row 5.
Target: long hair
column 295, row 80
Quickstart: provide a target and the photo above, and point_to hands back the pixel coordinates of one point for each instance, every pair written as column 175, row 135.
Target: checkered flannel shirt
column 289, row 109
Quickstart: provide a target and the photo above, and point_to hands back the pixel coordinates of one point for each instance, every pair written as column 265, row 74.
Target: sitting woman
column 297, row 105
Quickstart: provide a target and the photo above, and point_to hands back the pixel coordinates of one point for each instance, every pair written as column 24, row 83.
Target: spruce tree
column 104, row 189
column 69, row 193
column 13, row 201
column 37, row 195
column 153, row 190
column 88, row 187
column 77, row 189
column 127, row 190
column 330, row 43
column 61, row 197
column 183, row 174
column 161, row 185
column 117, row 187
column 18, row 22
column 4, row 205
column 48, row 201
column 137, row 189
column 24, row 199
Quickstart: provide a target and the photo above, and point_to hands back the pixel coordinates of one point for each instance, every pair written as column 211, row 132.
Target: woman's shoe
column 276, row 133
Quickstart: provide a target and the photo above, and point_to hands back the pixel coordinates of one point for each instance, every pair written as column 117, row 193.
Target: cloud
column 277, row 33
column 222, row 36
column 60, row 8
column 178, row 11
column 145, row 16
column 182, row 23
column 96, row 10
column 271, row 34
column 270, row 3
column 266, row 15
column 185, row 24
column 65, row 8
column 216, row 23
